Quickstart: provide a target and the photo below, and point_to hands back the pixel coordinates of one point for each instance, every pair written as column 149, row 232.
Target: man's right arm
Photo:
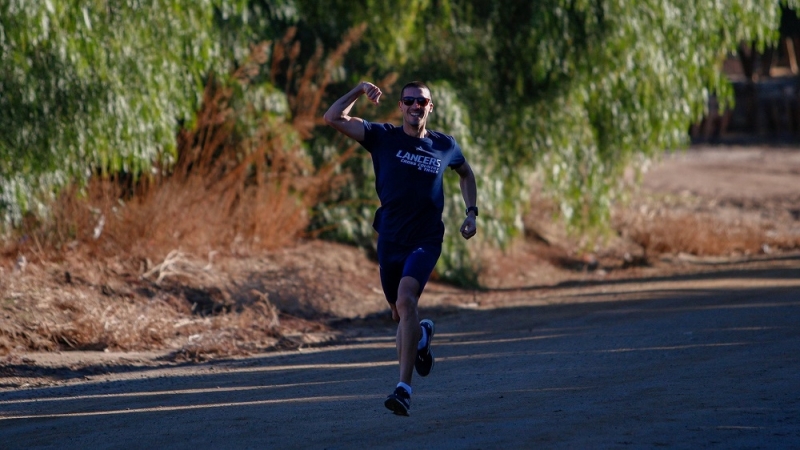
column 338, row 116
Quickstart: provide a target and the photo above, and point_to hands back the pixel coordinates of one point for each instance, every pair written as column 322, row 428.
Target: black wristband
column 473, row 208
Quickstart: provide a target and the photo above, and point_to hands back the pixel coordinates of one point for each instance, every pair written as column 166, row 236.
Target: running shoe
column 399, row 401
column 424, row 361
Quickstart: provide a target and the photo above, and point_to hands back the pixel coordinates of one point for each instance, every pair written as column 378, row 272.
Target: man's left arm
column 469, row 190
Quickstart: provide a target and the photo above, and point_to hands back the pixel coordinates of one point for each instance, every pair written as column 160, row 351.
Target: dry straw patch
column 648, row 226
column 702, row 230
column 701, row 235
column 225, row 192
column 94, row 308
column 48, row 317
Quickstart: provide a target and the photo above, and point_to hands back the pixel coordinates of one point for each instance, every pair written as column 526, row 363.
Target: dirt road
column 701, row 361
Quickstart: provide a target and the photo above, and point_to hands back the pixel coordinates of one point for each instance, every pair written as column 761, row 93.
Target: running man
column 409, row 163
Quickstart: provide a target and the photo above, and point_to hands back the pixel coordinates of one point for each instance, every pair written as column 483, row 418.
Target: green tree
column 99, row 86
column 581, row 88
column 576, row 90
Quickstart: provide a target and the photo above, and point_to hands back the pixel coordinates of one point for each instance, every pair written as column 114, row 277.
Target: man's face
column 416, row 113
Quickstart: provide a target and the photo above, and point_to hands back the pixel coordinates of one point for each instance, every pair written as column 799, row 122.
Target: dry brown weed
column 701, row 234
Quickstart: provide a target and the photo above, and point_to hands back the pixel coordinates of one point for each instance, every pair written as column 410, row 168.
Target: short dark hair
column 416, row 84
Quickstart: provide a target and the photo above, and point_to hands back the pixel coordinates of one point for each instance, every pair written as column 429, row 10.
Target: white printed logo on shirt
column 429, row 164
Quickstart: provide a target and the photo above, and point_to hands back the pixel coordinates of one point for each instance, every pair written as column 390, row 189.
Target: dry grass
column 705, row 232
column 700, row 235
column 649, row 227
column 181, row 305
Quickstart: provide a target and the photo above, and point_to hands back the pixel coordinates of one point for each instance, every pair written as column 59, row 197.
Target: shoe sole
column 433, row 363
column 396, row 406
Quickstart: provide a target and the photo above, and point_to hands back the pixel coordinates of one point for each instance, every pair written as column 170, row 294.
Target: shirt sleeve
column 372, row 134
column 458, row 157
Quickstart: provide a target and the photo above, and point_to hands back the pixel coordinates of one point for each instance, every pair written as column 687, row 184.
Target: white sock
column 404, row 386
column 423, row 340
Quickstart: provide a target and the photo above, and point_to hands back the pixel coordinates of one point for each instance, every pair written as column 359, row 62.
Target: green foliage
column 575, row 90
column 395, row 32
column 501, row 191
column 102, row 86
column 579, row 88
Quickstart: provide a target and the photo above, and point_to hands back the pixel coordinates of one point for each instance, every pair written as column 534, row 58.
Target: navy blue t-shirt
column 408, row 178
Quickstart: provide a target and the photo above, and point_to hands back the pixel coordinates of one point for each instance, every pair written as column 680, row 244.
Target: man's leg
column 408, row 330
column 417, row 267
column 404, row 312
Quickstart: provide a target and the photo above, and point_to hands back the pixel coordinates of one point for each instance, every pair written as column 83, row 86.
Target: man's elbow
column 465, row 172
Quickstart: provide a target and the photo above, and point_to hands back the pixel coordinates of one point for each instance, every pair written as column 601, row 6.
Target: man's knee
column 406, row 304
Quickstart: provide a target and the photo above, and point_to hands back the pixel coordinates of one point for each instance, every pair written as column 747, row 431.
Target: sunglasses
column 421, row 101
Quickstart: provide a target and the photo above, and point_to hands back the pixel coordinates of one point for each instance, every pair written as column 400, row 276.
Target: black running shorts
column 400, row 260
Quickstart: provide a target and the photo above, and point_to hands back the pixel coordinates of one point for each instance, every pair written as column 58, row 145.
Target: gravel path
column 703, row 361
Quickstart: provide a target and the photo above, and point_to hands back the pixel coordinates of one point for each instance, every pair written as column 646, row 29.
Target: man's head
column 416, row 104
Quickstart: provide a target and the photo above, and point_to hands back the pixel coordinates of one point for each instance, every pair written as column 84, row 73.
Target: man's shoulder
column 439, row 136
column 381, row 126
column 378, row 133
